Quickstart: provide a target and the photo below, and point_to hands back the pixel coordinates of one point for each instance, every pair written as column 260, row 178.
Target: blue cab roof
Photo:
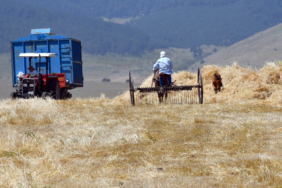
column 42, row 36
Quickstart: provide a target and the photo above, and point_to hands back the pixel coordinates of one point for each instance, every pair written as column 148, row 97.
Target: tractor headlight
column 67, row 81
column 24, row 85
column 30, row 85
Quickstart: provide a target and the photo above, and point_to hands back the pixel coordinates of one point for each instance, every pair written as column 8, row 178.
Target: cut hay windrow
column 240, row 84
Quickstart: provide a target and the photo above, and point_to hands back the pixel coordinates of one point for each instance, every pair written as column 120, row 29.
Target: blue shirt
column 164, row 64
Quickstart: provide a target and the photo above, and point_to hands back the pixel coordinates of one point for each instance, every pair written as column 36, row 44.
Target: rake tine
column 169, row 95
column 190, row 97
column 193, row 98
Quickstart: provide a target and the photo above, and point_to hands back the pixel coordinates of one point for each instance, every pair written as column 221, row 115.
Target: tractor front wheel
column 54, row 89
column 13, row 95
column 45, row 94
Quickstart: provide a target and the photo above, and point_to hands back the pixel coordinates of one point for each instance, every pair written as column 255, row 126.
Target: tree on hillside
column 101, row 8
column 184, row 23
column 197, row 51
column 97, row 36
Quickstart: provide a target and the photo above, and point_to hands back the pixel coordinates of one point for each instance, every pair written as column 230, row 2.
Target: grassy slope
column 184, row 27
column 102, row 8
column 233, row 139
column 254, row 51
column 96, row 67
column 116, row 67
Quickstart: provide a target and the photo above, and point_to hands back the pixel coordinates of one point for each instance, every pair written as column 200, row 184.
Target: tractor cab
column 42, row 85
column 56, row 58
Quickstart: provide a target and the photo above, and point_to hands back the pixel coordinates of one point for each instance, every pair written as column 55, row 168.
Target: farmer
column 165, row 69
column 32, row 72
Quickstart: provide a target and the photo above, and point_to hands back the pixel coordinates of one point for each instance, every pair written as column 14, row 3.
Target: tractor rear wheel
column 54, row 89
column 69, row 95
column 65, row 94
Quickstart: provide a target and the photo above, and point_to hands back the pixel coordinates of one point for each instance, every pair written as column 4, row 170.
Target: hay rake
column 190, row 94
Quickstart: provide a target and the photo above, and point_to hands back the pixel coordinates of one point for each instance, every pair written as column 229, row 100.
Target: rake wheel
column 200, row 87
column 131, row 89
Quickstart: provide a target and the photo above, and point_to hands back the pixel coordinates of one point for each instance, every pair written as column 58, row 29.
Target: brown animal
column 216, row 82
column 161, row 93
column 157, row 77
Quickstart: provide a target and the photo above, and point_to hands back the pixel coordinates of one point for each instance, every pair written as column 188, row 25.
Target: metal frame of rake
column 165, row 90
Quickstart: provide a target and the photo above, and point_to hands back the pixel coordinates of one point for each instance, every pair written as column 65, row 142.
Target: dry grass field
column 232, row 140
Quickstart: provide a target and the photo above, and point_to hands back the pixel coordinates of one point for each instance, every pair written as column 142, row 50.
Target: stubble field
column 232, row 140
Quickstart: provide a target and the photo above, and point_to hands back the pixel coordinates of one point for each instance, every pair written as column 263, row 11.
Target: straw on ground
column 233, row 139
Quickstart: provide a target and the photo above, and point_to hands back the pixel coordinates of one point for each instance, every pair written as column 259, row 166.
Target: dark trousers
column 165, row 79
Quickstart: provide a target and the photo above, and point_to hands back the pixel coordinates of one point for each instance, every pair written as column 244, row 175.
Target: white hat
column 20, row 75
column 162, row 53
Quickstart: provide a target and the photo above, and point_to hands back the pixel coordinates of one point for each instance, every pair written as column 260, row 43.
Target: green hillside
column 184, row 23
column 102, row 8
column 163, row 24
column 97, row 36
